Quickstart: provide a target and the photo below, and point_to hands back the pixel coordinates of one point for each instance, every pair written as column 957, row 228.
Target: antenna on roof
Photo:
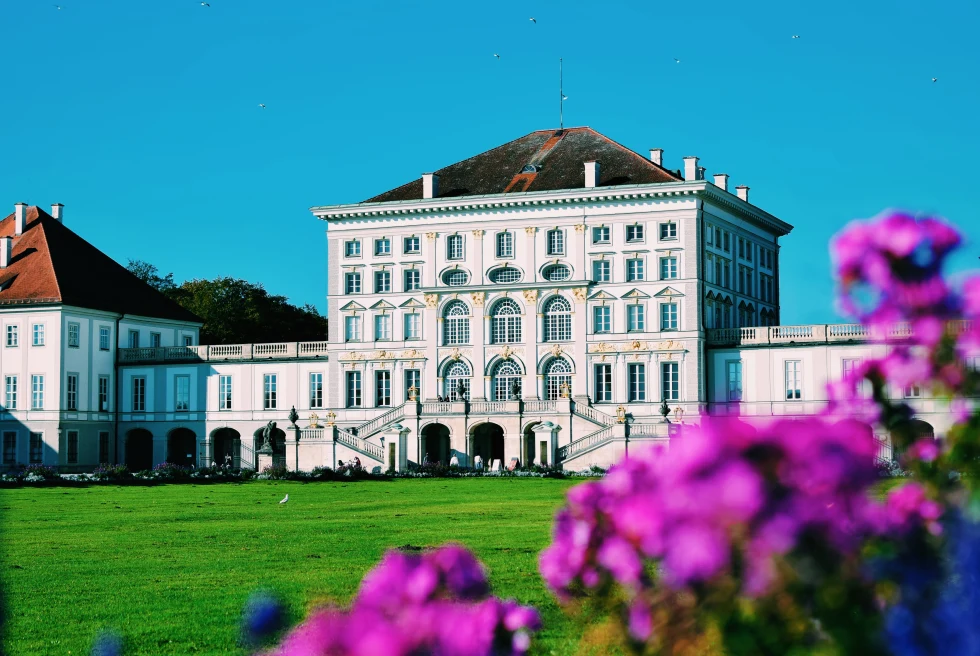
column 561, row 99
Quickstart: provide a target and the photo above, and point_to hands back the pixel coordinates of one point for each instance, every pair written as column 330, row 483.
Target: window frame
column 352, row 252
column 352, row 282
column 796, row 370
column 382, row 247
column 409, row 319
column 606, row 265
column 12, row 335
column 558, row 323
column 638, row 236
column 103, row 447
column 413, row 377
column 382, row 327
column 226, row 388
column 138, row 394
column 270, row 391
column 670, row 381
column 71, row 446
column 355, row 321
column 408, row 242
column 668, row 231
column 106, row 333
column 555, row 242
column 71, row 391
column 636, row 318
column 412, row 280
column 315, row 380
column 382, row 281
column 10, row 388
column 603, row 382
column 736, row 395
column 596, row 324
column 670, row 320
column 36, row 447
column 636, row 382
column 455, row 247
column 597, row 237
column 353, row 392
column 37, row 335
column 638, row 271
column 668, row 266
column 37, row 391
column 178, row 379
column 9, row 447
column 504, row 245
column 382, row 388
column 103, row 395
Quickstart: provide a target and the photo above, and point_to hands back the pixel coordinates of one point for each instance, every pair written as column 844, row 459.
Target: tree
column 236, row 311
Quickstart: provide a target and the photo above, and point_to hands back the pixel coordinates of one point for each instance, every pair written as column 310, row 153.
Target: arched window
column 505, row 375
column 455, row 278
column 505, row 244
column 505, row 323
column 505, row 274
column 456, row 328
column 558, row 379
column 457, row 373
column 557, row 272
column 558, row 320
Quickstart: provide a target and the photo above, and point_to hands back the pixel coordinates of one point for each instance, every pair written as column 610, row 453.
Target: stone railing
column 368, row 428
column 581, row 444
column 437, row 408
column 488, row 407
column 365, row 447
column 593, row 415
column 652, row 430
column 311, row 433
column 221, row 352
column 541, row 406
column 817, row 333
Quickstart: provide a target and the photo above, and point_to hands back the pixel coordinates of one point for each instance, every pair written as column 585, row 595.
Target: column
column 546, row 436
column 580, row 324
column 478, row 273
column 529, row 253
column 478, row 324
column 432, row 330
column 399, row 393
column 531, row 330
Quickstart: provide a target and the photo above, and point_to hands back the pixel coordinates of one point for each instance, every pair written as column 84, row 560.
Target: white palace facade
column 544, row 301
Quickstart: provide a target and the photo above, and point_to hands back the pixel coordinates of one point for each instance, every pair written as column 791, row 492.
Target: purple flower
column 262, row 618
column 107, row 644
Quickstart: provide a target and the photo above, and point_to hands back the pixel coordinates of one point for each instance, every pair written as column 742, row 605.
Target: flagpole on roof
column 561, row 99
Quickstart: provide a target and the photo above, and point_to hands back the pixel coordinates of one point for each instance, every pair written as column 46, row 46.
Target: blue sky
column 143, row 117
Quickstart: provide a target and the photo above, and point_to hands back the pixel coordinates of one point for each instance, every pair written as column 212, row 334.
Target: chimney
column 743, row 192
column 430, row 185
column 6, row 248
column 591, row 174
column 58, row 212
column 20, row 218
column 657, row 156
column 721, row 180
column 690, row 168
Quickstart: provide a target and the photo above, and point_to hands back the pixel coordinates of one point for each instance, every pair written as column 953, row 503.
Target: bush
column 275, row 472
column 107, row 472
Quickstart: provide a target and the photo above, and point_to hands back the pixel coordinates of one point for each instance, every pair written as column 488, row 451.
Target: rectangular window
column 155, row 340
column 413, row 245
column 182, row 393
column 103, row 446
column 352, row 329
column 382, row 246
column 635, row 318
column 413, row 326
column 727, row 245
column 13, row 336
column 104, row 336
column 668, row 316
column 600, row 235
column 717, row 237
column 634, row 233
column 10, row 384
column 556, row 242
column 741, row 247
column 735, row 380
column 727, row 270
column 709, row 234
column 602, row 319
column 352, row 283
column 353, row 389
column 794, row 380
column 37, row 334
column 382, row 282
column 139, row 394
column 670, row 381
column 134, row 339
column 9, row 447
column 382, row 327
column 603, row 383
column 668, row 231
column 224, row 392
column 454, row 247
column 718, row 279
column 637, row 374
column 668, row 268
column 37, row 392
column 602, row 271
column 73, row 334
column 71, row 392
column 352, row 248
column 72, row 447
column 188, row 340
column 382, row 381
column 270, row 386
column 37, row 448
column 316, row 389
column 505, row 244
column 413, row 280
column 413, row 384
column 103, row 394
column 913, row 392
column 634, row 269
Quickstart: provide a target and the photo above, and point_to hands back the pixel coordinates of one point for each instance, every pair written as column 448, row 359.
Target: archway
column 435, row 443
column 226, row 442
column 488, row 443
column 182, row 447
column 529, row 446
column 139, row 450
column 278, row 443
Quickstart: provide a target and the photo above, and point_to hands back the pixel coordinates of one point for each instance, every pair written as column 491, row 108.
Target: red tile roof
column 558, row 158
column 51, row 264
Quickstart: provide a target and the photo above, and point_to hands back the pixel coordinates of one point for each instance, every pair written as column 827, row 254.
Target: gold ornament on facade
column 531, row 295
column 413, row 393
column 478, row 234
column 455, row 354
column 314, row 420
column 478, row 298
column 430, row 236
column 506, row 352
column 621, row 415
column 331, row 416
column 384, row 355
column 580, row 294
column 580, row 227
column 530, row 230
column 413, row 353
column 636, row 345
column 556, row 350
column 431, row 300
column 668, row 345
column 602, row 347
column 564, row 390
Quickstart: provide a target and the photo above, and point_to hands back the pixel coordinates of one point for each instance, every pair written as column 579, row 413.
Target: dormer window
column 530, row 168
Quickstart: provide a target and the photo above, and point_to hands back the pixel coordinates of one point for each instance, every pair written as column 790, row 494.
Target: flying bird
column 934, row 79
column 534, row 20
column 284, row 500
column 564, row 97
column 205, row 4
column 496, row 55
column 677, row 60
column 58, row 7
column 261, row 105
column 796, row 36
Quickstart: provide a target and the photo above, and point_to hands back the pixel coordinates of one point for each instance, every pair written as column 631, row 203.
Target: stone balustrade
column 223, row 352
column 816, row 334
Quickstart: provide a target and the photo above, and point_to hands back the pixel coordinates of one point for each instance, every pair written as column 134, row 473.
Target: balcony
column 817, row 334
column 224, row 352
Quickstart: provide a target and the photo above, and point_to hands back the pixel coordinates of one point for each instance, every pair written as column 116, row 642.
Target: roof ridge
column 646, row 160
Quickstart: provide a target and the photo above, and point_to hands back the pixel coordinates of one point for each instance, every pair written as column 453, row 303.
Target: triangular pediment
column 382, row 305
column 669, row 292
column 412, row 303
column 353, row 305
column 602, row 296
column 635, row 293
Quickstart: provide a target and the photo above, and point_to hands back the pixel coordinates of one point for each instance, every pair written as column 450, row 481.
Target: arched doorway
column 488, row 443
column 182, row 447
column 226, row 442
column 435, row 443
column 529, row 447
column 139, row 450
column 278, row 443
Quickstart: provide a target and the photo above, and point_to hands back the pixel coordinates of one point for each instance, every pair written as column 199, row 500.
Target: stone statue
column 515, row 390
column 461, row 391
column 267, row 433
column 563, row 390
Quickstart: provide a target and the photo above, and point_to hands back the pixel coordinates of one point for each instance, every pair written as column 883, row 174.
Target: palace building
column 559, row 299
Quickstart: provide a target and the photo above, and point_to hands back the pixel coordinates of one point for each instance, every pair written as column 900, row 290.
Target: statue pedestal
column 265, row 458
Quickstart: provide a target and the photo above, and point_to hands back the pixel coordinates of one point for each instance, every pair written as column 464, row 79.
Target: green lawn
column 171, row 566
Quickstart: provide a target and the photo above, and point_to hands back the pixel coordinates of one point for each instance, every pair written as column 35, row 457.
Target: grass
column 170, row 567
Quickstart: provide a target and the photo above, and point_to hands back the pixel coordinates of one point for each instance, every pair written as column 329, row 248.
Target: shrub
column 107, row 472
column 275, row 472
